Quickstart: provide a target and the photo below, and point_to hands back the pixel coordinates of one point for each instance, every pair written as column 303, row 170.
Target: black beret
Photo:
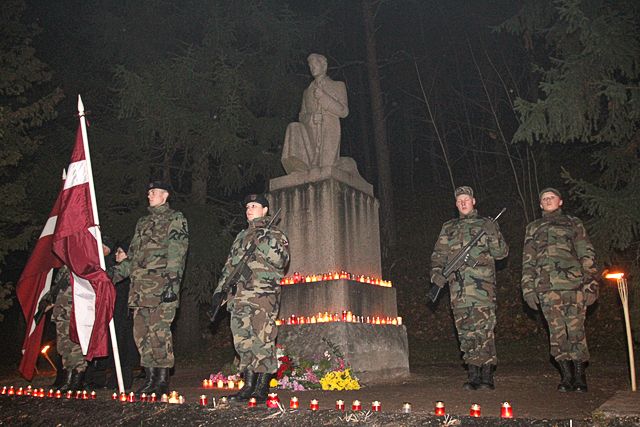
column 159, row 184
column 257, row 198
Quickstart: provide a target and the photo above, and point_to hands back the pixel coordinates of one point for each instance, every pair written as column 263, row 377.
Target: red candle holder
column 41, row 392
column 273, row 400
column 50, row 393
column 123, row 397
column 203, row 400
column 93, row 395
column 340, row 405
column 164, row 398
column 314, row 405
column 69, row 394
column 356, row 405
column 78, row 394
column 85, row 395
column 252, row 403
column 152, row 398
column 475, row 410
column 294, row 403
column 439, row 409
column 19, row 392
column 4, row 390
column 506, row 411
column 11, row 391
column 143, row 397
column 114, row 396
column 131, row 398
column 375, row 406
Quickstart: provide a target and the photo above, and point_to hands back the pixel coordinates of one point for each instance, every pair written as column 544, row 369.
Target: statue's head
column 317, row 64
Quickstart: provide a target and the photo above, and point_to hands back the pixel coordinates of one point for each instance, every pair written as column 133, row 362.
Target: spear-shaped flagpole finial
column 64, row 173
column 80, row 106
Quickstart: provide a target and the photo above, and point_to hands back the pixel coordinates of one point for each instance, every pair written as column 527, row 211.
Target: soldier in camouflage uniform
column 254, row 306
column 472, row 289
column 155, row 264
column 559, row 273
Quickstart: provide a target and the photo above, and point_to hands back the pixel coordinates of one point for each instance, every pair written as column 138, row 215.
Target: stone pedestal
column 331, row 219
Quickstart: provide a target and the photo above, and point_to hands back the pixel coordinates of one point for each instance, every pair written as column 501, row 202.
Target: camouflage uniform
column 71, row 352
column 155, row 261
column 255, row 305
column 473, row 299
column 558, row 266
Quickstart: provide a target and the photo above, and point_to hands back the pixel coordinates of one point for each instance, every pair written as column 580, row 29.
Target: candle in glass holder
column 314, row 406
column 41, row 392
column 252, row 403
column 375, row 406
column 11, row 391
column 356, row 405
column 406, row 408
column 19, row 392
column 506, row 411
column 220, row 384
column 85, row 395
column 69, row 394
column 114, row 396
column 475, row 410
column 58, row 394
column 231, row 384
column 4, row 390
column 153, row 398
column 164, row 398
column 50, row 393
column 123, row 397
column 273, row 400
column 203, row 400
column 439, row 409
column 240, row 384
column 293, row 403
column 143, row 397
column 78, row 394
column 340, row 405
column 205, row 383
column 93, row 395
column 131, row 398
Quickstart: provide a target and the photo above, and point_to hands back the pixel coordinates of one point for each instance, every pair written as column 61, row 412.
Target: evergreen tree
column 25, row 104
column 590, row 94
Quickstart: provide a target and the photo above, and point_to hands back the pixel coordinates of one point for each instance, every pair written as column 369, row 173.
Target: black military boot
column 566, row 376
column 148, row 385
column 66, row 381
column 161, row 381
column 486, row 378
column 244, row 394
column 61, row 379
column 580, row 381
column 473, row 378
column 76, row 381
column 261, row 391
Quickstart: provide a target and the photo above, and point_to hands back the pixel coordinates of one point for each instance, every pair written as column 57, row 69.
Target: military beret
column 465, row 189
column 550, row 190
column 257, row 198
column 159, row 184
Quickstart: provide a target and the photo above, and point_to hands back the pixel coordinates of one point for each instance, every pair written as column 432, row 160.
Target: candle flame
column 45, row 349
column 614, row 276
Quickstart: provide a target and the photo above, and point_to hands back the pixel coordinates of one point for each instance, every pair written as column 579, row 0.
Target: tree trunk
column 383, row 159
column 188, row 323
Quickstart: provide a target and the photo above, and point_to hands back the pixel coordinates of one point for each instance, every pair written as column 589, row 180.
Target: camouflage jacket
column 156, row 256
column 63, row 299
column 266, row 266
column 557, row 255
column 478, row 286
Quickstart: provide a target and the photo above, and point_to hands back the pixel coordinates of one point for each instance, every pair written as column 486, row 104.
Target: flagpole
column 94, row 207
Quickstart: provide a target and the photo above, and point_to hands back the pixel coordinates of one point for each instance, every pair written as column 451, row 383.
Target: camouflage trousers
column 152, row 334
column 253, row 325
column 70, row 352
column 475, row 327
column 565, row 312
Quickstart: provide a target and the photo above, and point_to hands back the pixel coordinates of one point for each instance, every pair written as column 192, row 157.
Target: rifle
column 240, row 271
column 47, row 299
column 460, row 259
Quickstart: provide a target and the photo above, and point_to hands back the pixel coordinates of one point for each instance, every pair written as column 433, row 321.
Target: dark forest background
column 508, row 97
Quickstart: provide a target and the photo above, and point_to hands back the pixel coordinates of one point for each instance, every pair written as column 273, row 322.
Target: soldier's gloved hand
column 590, row 298
column 532, row 301
column 439, row 280
column 168, row 293
column 491, row 228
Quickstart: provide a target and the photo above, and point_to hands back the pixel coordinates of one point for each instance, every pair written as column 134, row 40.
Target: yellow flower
column 273, row 382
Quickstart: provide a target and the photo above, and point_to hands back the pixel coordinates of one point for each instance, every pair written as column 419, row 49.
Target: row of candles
column 273, row 401
column 230, row 384
column 343, row 275
column 345, row 316
column 506, row 411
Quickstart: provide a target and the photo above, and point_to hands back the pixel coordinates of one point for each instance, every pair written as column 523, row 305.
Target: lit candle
column 164, row 398
column 20, row 392
column 273, row 400
column 240, row 384
column 252, row 403
column 153, row 398
column 231, row 384
column 340, row 405
column 114, row 396
column 50, row 393
column 439, row 409
column 506, row 411
column 181, row 399
column 406, row 408
column 85, row 395
column 93, row 395
column 223, row 400
column 78, row 394
column 4, row 390
column 69, row 394
column 293, row 403
column 123, row 397
column 143, row 397
column 375, row 406
column 399, row 320
column 58, row 394
column 475, row 410
column 203, row 400
column 204, row 383
column 356, row 405
column 220, row 384
column 131, row 398
column 41, row 392
column 314, row 406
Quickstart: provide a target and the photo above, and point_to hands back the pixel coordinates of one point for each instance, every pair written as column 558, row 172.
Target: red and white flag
column 35, row 281
column 75, row 242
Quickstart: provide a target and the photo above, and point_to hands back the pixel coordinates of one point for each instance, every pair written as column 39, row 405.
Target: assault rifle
column 459, row 260
column 240, row 271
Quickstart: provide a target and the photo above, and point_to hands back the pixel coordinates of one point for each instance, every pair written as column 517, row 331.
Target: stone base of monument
column 376, row 353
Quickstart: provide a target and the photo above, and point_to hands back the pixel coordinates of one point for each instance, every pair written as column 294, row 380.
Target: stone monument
column 330, row 215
